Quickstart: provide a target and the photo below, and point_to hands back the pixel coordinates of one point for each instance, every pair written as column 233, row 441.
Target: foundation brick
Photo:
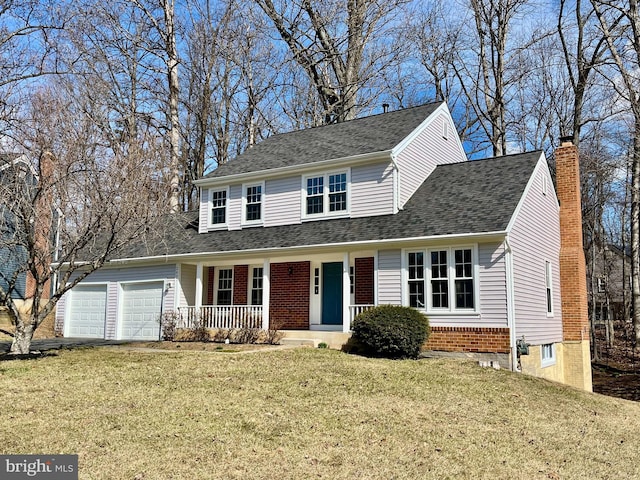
column 469, row 339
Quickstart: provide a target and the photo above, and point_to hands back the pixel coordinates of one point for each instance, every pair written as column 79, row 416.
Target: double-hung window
column 439, row 279
column 225, row 286
column 338, row 192
column 416, row 280
column 442, row 280
column 463, row 278
column 325, row 194
column 253, row 203
column 315, row 195
column 256, row 286
column 218, row 206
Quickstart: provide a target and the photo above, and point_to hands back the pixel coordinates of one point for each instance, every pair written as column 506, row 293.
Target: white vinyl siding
column 389, row 277
column 372, row 190
column 187, row 294
column 493, row 285
column 204, row 211
column 534, row 238
column 234, row 212
column 428, row 150
column 282, row 204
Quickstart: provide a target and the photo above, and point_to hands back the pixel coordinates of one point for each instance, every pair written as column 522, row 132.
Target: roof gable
column 376, row 133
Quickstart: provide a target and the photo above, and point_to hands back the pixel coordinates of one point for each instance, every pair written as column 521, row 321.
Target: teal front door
column 332, row 293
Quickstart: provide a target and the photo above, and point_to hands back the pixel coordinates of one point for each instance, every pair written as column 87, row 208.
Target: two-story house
column 306, row 229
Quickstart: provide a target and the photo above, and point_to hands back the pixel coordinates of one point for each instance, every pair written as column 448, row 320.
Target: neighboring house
column 308, row 228
column 13, row 278
column 609, row 284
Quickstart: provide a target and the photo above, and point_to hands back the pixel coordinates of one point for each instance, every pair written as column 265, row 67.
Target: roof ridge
column 316, row 127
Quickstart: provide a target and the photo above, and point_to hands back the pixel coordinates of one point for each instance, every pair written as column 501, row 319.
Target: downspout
column 511, row 309
column 396, row 184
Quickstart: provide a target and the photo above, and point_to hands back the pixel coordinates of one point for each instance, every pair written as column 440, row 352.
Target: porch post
column 266, row 290
column 346, row 294
column 199, row 272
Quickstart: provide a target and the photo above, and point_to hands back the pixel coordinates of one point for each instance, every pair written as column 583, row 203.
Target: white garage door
column 87, row 311
column 142, row 306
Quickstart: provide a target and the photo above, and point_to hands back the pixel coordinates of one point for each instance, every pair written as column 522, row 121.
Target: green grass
column 309, row 413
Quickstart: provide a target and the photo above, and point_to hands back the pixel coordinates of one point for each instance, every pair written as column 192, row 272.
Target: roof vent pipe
column 385, row 107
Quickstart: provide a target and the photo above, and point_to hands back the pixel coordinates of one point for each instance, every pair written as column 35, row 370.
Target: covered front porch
column 322, row 293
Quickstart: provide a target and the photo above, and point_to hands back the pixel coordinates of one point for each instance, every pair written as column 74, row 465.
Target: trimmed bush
column 389, row 331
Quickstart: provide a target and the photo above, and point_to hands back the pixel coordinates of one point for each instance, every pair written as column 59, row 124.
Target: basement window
column 547, row 354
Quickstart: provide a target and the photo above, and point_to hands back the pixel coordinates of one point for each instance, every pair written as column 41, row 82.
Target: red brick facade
column 468, row 339
column 573, row 284
column 289, row 299
column 364, row 281
column 240, row 285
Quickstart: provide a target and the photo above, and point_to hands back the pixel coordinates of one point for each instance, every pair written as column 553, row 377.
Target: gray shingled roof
column 463, row 198
column 376, row 133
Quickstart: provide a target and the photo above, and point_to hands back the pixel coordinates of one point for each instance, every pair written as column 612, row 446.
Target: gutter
column 511, row 309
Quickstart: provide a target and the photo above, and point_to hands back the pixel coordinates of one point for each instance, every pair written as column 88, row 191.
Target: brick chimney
column 573, row 276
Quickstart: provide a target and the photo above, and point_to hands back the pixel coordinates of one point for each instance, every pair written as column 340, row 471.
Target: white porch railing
column 355, row 310
column 221, row 316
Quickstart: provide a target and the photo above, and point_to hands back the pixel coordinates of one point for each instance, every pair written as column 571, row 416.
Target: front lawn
column 304, row 413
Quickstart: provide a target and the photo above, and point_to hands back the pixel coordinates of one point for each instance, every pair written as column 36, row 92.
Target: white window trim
column 325, row 196
column 451, row 310
column 246, row 222
column 548, row 284
column 217, row 226
column 547, row 362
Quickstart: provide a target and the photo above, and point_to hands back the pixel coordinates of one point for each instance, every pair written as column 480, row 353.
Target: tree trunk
column 174, row 119
column 22, row 338
column 635, row 231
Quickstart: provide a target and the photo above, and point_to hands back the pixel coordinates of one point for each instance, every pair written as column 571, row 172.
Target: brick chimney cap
column 566, row 139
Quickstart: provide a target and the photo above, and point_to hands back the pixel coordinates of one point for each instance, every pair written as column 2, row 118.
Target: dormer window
column 326, row 194
column 218, row 206
column 252, row 202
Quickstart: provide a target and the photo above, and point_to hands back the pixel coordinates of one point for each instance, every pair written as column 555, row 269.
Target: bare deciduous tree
column 620, row 24
column 331, row 41
column 87, row 201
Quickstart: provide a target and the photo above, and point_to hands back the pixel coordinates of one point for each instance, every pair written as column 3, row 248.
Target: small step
column 305, row 342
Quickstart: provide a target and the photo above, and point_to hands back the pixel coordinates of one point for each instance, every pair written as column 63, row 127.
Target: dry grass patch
column 309, row 414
